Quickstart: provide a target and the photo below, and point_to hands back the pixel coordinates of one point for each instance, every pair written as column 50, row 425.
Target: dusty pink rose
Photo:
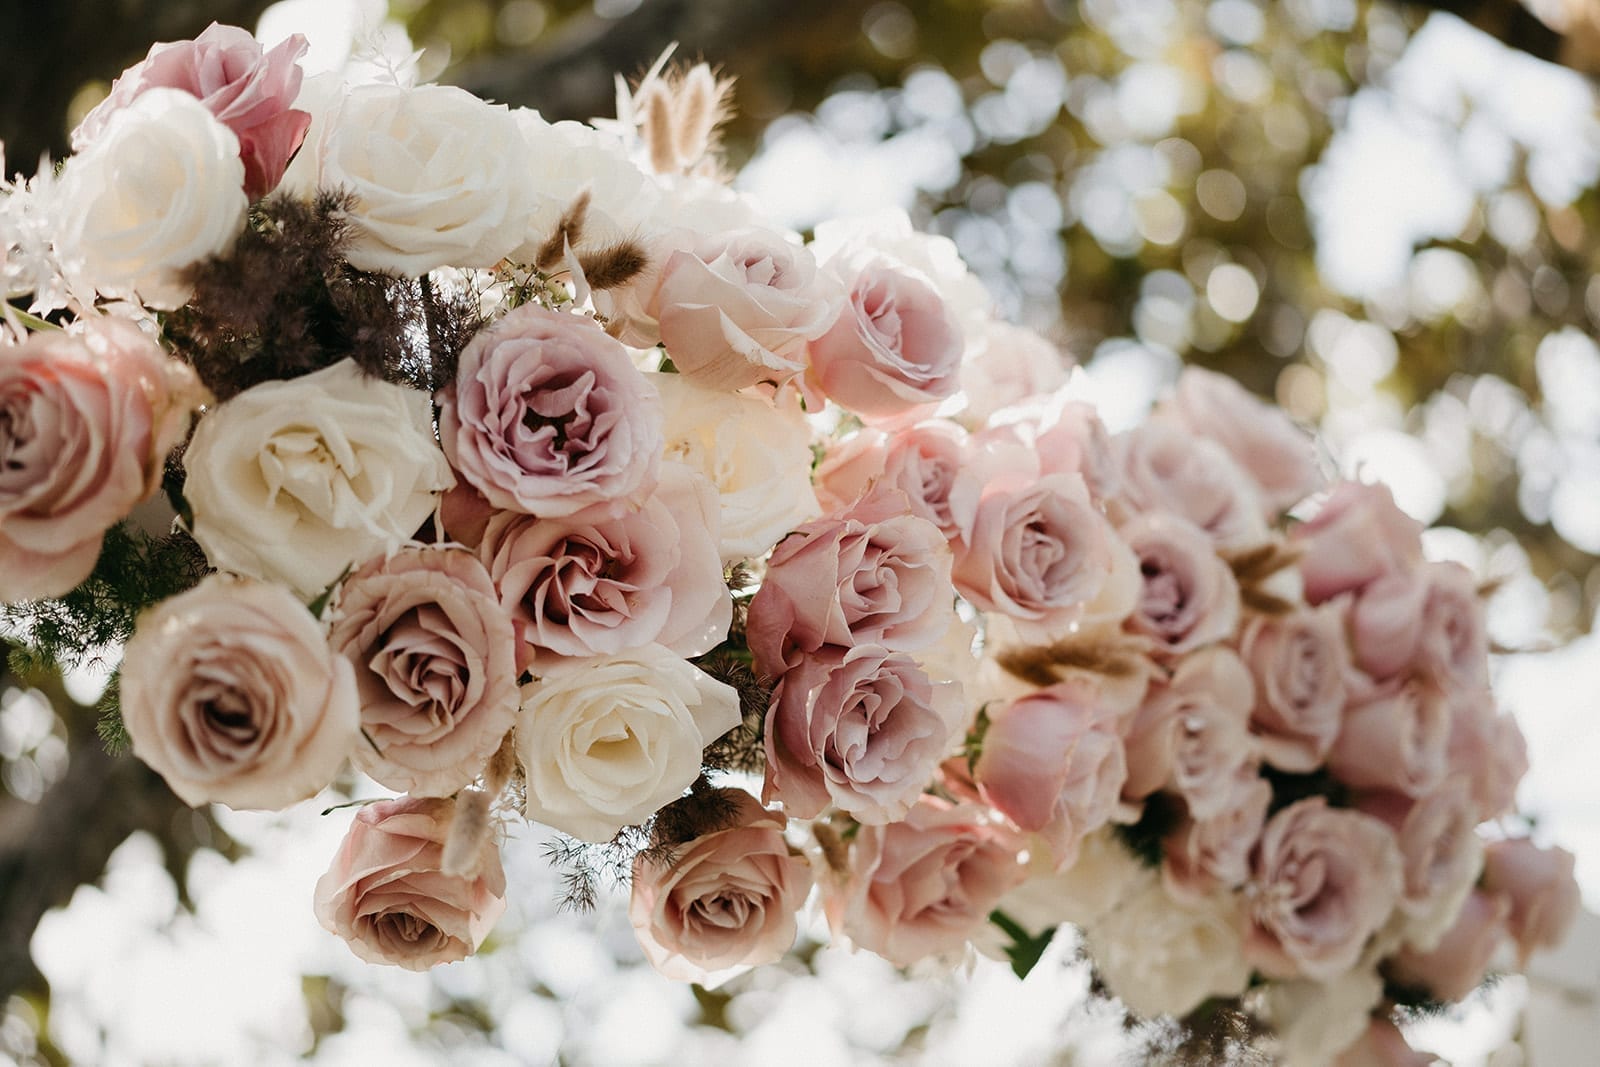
column 435, row 664
column 1488, row 749
column 1323, row 881
column 86, row 421
column 1202, row 856
column 849, row 468
column 1460, row 961
column 595, row 583
column 1300, row 663
column 726, row 899
column 1428, row 618
column 1382, row 1045
column 1006, row 365
column 925, row 884
column 248, row 89
column 230, row 692
column 1279, row 456
column 1192, row 734
column 386, row 895
column 1053, row 763
column 1189, row 596
column 1356, row 537
column 548, row 416
column 861, row 728
column 1395, row 736
column 1166, row 468
column 875, row 574
column 1072, row 438
column 1439, row 851
column 1542, row 890
column 927, row 462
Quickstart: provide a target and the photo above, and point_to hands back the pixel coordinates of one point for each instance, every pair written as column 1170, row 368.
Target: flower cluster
column 686, row 479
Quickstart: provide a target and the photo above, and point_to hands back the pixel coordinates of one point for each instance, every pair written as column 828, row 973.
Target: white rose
column 606, row 742
column 1162, row 957
column 1315, row 1021
column 1104, row 873
column 756, row 454
column 161, row 189
column 293, row 481
column 440, row 177
column 567, row 158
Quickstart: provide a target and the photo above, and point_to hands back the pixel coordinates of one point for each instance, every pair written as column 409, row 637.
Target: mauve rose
column 1382, row 1045
column 1440, row 854
column 230, row 692
column 1427, row 618
column 924, row 884
column 1542, row 890
column 1053, row 763
column 1324, row 880
column 386, row 895
column 1192, row 734
column 1164, row 467
column 860, row 728
column 595, row 583
column 1300, row 663
column 874, row 574
column 86, row 422
column 1279, row 456
column 725, row 899
column 1202, row 856
column 248, row 89
column 548, row 415
column 1459, row 962
column 1356, row 537
column 1189, row 596
column 435, row 662
column 1396, row 735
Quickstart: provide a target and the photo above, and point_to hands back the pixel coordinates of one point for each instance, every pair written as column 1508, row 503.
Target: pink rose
column 1202, row 856
column 1166, row 468
column 861, row 728
column 1542, row 890
column 386, row 895
column 725, row 899
column 1189, row 597
column 849, row 468
column 1428, row 618
column 1356, row 537
column 1300, row 664
column 925, row 884
column 594, row 583
column 1488, row 749
column 435, row 665
column 1008, row 365
column 1439, row 851
column 1395, row 736
column 1459, row 963
column 86, row 422
column 927, row 462
column 248, row 89
column 1192, row 734
column 1072, row 438
column 1382, row 1045
column 1324, row 880
column 872, row 575
column 548, row 416
column 894, row 347
column 1053, row 763
column 1279, row 456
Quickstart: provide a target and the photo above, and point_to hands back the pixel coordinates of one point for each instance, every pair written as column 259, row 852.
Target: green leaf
column 1025, row 949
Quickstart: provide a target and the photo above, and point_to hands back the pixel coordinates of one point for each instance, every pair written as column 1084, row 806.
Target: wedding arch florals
column 781, row 571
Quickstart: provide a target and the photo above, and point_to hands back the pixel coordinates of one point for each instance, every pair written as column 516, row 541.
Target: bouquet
column 528, row 469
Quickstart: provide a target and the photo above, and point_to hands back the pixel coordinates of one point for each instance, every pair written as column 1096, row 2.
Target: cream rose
column 1104, row 874
column 1163, row 957
column 296, row 480
column 1315, row 1020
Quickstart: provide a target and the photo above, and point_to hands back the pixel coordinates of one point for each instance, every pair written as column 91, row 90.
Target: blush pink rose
column 1488, row 749
column 548, row 415
column 1356, row 537
column 435, row 664
column 1006, row 365
column 1202, row 856
column 1540, row 885
column 1301, row 664
column 1428, row 618
column 1072, row 438
column 248, row 89
column 925, row 884
column 725, row 899
column 1279, row 457
column 927, row 462
column 1459, row 963
column 86, row 422
column 1323, row 881
column 1189, row 596
column 1164, row 467
column 860, row 728
column 1192, row 734
column 388, row 897
column 849, row 468
column 1439, row 851
column 1053, row 763
column 1396, row 735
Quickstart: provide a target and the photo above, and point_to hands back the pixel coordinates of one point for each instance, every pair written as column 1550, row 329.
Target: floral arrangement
column 527, row 469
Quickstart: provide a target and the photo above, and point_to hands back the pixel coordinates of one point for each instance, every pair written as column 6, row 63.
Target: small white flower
column 1162, row 957
column 1315, row 1021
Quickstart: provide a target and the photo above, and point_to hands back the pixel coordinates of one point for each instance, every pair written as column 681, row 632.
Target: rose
column 1395, row 736
column 296, row 480
column 1166, row 468
column 755, row 452
column 596, row 584
column 889, row 233
column 248, row 89
column 1053, row 763
column 1382, row 1045
column 386, row 895
column 1204, row 855
column 1323, row 881
column 1316, row 1019
column 1161, row 956
column 871, row 575
column 861, row 728
column 1189, row 596
column 159, row 190
column 1427, row 618
column 1104, row 874
column 548, row 415
column 1006, row 365
column 1543, row 893
column 435, row 662
column 1488, row 749
column 565, row 158
column 606, row 742
column 1458, row 963
column 231, row 694
column 927, row 462
column 1069, row 437
column 925, row 884
column 1440, row 855
column 86, row 421
column 1356, row 537
column 1300, row 663
column 1192, row 734
column 725, row 899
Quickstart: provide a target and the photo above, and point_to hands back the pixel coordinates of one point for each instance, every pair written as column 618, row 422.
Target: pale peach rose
column 1542, row 890
column 1202, row 856
column 386, row 895
column 1192, row 734
column 1356, row 537
column 1395, row 736
column 1164, row 467
column 1189, row 596
column 1301, row 665
column 1459, row 963
column 725, row 899
column 230, row 692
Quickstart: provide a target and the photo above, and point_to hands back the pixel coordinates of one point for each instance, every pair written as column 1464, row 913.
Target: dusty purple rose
column 1440, row 853
column 1300, row 664
column 1189, row 596
column 1427, row 618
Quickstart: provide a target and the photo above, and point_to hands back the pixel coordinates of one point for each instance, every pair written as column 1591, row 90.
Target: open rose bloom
column 572, row 489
